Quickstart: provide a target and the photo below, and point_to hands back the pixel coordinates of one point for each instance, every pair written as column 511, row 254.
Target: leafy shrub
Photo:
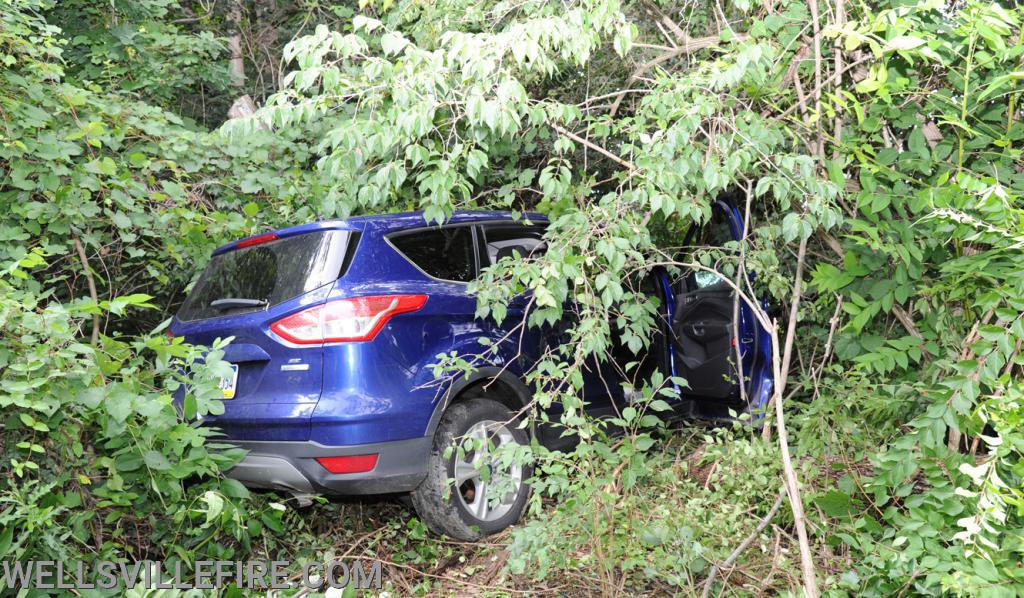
column 888, row 146
column 101, row 461
column 645, row 518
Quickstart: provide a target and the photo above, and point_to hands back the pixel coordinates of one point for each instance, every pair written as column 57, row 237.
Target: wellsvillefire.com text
column 180, row 575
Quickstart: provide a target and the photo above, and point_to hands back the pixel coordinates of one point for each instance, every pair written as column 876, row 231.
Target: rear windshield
column 271, row 272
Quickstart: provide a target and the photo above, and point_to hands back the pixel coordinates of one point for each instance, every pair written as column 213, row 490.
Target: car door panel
column 704, row 335
column 704, row 319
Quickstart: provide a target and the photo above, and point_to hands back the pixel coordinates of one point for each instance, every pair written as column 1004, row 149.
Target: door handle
column 697, row 329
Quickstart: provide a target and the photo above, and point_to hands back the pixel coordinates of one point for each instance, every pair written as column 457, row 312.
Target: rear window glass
column 271, row 272
column 445, row 253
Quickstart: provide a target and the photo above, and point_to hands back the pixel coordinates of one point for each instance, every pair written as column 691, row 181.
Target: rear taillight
column 345, row 320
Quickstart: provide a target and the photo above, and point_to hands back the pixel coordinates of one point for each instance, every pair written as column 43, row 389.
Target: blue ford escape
column 336, row 324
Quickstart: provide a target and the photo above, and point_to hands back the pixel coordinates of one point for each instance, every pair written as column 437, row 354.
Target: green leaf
column 121, row 220
column 214, row 505
column 189, row 407
column 103, row 165
column 903, row 42
column 660, row 405
column 392, row 43
column 233, row 488
column 918, row 144
column 6, row 538
column 791, row 226
column 272, row 522
column 999, row 83
column 834, row 503
column 365, row 23
column 156, row 460
column 119, row 404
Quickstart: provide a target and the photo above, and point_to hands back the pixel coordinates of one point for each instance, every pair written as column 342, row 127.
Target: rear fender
column 481, row 374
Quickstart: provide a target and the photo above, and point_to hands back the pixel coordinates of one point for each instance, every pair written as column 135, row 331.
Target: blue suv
column 337, row 323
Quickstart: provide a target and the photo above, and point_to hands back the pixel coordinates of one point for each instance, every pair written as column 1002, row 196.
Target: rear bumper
column 292, row 466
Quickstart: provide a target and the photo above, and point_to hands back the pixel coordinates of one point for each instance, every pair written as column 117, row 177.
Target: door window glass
column 501, row 240
column 715, row 234
column 703, row 279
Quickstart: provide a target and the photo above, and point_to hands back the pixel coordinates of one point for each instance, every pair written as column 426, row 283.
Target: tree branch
column 597, row 148
column 676, row 30
column 908, row 322
column 781, row 371
column 687, row 46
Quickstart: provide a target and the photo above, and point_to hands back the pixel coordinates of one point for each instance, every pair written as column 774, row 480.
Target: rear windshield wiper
column 234, row 303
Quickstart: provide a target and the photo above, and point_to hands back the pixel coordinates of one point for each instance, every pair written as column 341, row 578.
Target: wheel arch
column 494, row 383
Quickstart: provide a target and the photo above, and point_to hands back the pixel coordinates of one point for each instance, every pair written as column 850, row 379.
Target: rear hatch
column 246, row 287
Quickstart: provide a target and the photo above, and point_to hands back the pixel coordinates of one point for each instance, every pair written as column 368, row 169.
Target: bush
column 102, row 465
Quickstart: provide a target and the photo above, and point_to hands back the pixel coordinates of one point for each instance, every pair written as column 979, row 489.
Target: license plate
column 228, row 384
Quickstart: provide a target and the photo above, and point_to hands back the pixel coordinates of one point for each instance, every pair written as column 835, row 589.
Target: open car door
column 703, row 322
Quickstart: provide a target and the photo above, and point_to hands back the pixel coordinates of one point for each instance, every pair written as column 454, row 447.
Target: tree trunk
column 236, row 65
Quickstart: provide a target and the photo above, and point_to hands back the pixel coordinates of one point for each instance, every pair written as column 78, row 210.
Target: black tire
column 437, row 500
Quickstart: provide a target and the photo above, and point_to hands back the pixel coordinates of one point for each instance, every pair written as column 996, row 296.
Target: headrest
column 507, row 251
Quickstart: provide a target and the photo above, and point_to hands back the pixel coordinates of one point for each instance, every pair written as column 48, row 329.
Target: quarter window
column 445, row 253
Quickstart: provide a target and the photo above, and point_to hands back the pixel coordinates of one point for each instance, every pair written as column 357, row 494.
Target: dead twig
column 728, row 562
column 837, row 49
column 966, row 352
column 1010, row 362
column 92, row 288
column 908, row 323
column 816, row 25
column 833, row 325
